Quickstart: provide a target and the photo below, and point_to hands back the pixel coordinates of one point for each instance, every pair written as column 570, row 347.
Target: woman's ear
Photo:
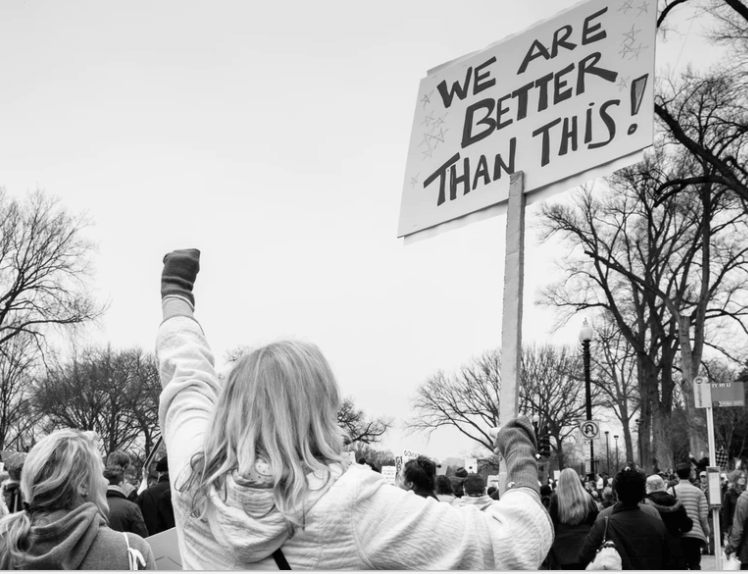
column 83, row 492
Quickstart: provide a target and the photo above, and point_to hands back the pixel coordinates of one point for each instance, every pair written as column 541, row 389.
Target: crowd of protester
column 256, row 477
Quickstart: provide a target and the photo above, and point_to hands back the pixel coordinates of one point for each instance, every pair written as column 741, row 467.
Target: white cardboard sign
column 389, row 473
column 566, row 96
column 471, row 465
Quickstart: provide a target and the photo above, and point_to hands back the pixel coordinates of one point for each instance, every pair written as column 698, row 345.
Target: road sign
column 702, row 393
column 590, row 429
column 730, row 394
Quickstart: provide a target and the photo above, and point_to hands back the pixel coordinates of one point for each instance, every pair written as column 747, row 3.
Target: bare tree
column 359, row 429
column 467, row 400
column 18, row 359
column 552, row 388
column 112, row 393
column 662, row 268
column 44, row 266
column 614, row 367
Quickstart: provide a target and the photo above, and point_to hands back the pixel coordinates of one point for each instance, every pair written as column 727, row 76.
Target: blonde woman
column 260, row 480
column 573, row 512
column 63, row 524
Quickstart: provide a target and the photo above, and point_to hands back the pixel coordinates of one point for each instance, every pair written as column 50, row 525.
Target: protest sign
column 409, row 455
column 471, row 465
column 389, row 473
column 492, row 480
column 570, row 94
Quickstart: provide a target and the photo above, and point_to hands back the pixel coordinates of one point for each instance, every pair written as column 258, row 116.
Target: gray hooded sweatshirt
column 79, row 540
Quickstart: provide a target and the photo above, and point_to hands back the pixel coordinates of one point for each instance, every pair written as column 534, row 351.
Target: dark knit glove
column 179, row 274
column 517, row 445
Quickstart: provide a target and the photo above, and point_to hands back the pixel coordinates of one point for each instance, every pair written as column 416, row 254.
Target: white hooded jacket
column 354, row 519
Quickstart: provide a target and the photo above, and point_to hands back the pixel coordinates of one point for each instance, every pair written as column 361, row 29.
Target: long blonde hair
column 54, row 471
column 279, row 405
column 574, row 502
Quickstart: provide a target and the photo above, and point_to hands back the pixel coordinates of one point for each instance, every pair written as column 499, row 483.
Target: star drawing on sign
column 414, row 181
column 623, row 83
column 428, row 152
column 440, row 120
column 426, row 99
column 625, row 50
column 427, row 120
column 630, row 36
column 643, row 8
column 637, row 51
column 626, row 6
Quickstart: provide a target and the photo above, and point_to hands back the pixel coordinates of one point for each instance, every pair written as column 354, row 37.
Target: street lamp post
column 585, row 336
column 607, row 448
column 615, row 437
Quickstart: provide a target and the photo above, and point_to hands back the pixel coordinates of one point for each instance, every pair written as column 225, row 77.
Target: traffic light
column 544, row 443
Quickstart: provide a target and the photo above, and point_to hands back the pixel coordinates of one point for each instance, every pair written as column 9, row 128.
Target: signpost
column 566, row 101
column 702, row 391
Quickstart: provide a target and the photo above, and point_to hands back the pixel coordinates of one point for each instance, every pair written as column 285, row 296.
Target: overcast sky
column 273, row 137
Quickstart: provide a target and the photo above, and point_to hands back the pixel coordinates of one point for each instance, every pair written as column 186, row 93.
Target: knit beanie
column 461, row 472
column 655, row 483
column 517, row 445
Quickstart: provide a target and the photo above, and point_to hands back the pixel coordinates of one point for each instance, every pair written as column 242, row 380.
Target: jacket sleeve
column 704, row 514
column 738, row 523
column 190, row 389
column 397, row 530
column 592, row 543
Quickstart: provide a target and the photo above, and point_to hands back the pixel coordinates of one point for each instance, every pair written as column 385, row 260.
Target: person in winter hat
column 673, row 515
column 261, row 480
column 63, row 525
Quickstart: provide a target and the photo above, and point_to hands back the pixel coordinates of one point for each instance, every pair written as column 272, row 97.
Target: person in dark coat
column 573, row 512
column 640, row 539
column 674, row 516
column 124, row 515
column 736, row 485
column 155, row 502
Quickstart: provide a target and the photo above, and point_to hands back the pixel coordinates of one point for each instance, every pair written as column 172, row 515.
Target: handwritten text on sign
column 570, row 94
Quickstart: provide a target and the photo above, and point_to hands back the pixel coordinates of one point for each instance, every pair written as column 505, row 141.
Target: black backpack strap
column 280, row 560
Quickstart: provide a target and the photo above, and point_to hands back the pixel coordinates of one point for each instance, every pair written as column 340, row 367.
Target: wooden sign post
column 511, row 327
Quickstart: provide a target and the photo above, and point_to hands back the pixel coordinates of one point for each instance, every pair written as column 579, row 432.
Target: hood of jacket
column 481, row 502
column 664, row 502
column 243, row 517
column 63, row 538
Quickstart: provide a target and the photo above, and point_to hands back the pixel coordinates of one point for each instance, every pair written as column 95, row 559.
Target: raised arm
column 186, row 364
